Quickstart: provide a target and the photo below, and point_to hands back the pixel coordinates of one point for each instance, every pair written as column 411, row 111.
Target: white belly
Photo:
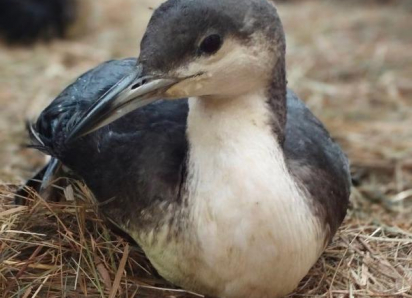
column 257, row 237
column 250, row 231
column 245, row 239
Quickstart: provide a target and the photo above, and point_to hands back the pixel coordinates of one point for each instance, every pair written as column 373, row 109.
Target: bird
column 199, row 151
column 28, row 21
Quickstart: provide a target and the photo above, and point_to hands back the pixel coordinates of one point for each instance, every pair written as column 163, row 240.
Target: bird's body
column 234, row 195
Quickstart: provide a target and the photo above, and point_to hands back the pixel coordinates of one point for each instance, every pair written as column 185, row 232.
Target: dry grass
column 65, row 250
column 353, row 66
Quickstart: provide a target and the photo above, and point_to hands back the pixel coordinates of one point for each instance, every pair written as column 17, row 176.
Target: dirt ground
column 351, row 61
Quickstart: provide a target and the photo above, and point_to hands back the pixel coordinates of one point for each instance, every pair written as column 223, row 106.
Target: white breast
column 253, row 234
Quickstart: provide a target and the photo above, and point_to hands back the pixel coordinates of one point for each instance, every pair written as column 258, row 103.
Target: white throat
column 250, row 217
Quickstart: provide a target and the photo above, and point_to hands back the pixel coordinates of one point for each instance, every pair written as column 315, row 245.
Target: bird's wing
column 317, row 162
column 132, row 164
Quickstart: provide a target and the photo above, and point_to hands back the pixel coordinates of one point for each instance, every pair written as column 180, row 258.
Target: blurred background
column 351, row 61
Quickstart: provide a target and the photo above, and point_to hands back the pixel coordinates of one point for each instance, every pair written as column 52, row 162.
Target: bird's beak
column 129, row 94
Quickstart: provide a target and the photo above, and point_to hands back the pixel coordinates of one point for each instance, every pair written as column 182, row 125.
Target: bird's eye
column 211, row 44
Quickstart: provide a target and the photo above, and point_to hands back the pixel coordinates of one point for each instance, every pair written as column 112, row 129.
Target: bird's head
column 197, row 48
column 212, row 48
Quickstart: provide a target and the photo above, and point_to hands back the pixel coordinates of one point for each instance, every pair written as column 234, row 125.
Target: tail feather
column 32, row 184
column 37, row 142
column 45, row 182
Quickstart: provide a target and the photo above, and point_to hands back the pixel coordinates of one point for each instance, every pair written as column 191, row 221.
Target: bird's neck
column 214, row 120
column 222, row 130
column 276, row 98
column 238, row 136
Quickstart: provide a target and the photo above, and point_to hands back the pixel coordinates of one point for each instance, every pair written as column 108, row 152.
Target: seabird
column 222, row 175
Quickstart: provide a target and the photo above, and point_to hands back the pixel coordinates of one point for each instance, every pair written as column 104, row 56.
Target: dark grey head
column 199, row 48
column 222, row 42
